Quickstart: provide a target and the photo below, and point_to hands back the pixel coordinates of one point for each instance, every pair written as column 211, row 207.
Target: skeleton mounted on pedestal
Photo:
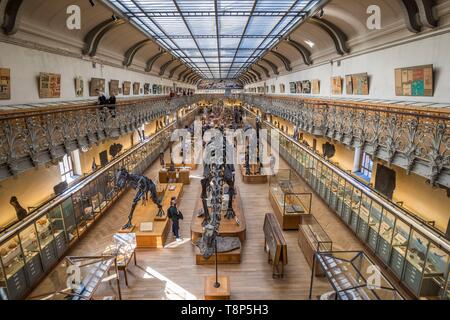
column 144, row 186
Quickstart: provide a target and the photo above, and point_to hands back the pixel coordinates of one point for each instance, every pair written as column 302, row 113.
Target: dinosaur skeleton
column 143, row 185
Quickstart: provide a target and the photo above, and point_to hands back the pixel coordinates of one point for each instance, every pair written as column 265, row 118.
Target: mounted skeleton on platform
column 216, row 173
column 144, row 186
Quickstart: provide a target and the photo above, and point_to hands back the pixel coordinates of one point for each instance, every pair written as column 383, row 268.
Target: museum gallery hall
column 224, row 150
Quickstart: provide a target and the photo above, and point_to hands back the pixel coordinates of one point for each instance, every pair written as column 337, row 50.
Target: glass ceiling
column 218, row 39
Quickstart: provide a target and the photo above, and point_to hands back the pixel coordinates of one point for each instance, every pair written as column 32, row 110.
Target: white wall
column 380, row 66
column 26, row 64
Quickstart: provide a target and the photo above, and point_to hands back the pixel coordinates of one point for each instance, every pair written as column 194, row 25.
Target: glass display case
column 12, row 258
column 313, row 238
column 95, row 280
column 405, row 247
column 288, row 202
column 31, row 251
column 33, row 247
column 349, row 274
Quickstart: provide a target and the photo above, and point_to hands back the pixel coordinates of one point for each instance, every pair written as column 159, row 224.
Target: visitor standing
column 175, row 215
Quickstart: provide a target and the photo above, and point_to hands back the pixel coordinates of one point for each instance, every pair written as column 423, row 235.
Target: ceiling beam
column 264, row 69
column 94, row 37
column 171, row 72
column 252, row 75
column 286, row 61
column 131, row 52
column 426, row 13
column 153, row 59
column 190, row 32
column 11, row 12
column 304, row 52
column 255, row 2
column 187, row 75
column 258, row 74
column 272, row 65
column 336, row 34
column 182, row 73
column 163, row 68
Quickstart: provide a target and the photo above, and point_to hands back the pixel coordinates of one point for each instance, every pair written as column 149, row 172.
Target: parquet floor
column 171, row 273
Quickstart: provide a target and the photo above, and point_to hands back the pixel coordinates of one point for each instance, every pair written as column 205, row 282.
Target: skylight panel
column 187, row 28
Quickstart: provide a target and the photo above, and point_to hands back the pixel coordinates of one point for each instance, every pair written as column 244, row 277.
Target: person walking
column 272, row 164
column 175, row 215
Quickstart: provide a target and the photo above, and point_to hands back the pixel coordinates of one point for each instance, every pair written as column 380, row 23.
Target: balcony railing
column 30, row 137
column 414, row 138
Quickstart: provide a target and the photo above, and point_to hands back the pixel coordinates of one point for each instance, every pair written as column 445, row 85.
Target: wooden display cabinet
column 311, row 239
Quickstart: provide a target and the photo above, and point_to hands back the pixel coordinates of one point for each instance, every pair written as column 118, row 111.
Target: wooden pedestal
column 161, row 226
column 221, row 293
column 253, row 178
column 228, row 228
column 287, row 221
column 232, row 257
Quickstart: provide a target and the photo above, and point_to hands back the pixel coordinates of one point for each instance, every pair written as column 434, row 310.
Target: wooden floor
column 171, row 273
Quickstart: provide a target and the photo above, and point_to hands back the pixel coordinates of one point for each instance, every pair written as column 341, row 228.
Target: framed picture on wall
column 348, row 84
column 126, row 88
column 49, row 85
column 298, row 87
column 360, row 83
column 336, row 85
column 146, row 88
column 315, row 86
column 272, row 88
column 5, row 84
column 306, row 86
column 114, row 87
column 292, row 87
column 79, row 87
column 96, row 84
column 414, row 81
column 155, row 89
column 136, row 88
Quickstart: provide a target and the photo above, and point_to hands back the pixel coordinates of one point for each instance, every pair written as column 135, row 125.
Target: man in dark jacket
column 175, row 216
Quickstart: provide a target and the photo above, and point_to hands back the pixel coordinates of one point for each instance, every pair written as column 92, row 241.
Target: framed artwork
column 49, row 85
column 126, row 88
column 160, row 89
column 282, row 88
column 306, row 86
column 348, row 84
column 360, row 83
column 272, row 88
column 114, row 87
column 336, row 85
column 5, row 84
column 298, row 87
column 292, row 87
column 79, row 87
column 315, row 86
column 136, row 88
column 155, row 89
column 96, row 84
column 414, row 81
column 146, row 88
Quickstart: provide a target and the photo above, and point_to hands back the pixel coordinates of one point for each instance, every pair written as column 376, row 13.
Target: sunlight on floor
column 172, row 290
column 176, row 244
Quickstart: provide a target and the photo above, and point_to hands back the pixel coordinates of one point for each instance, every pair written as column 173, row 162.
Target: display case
column 32, row 253
column 288, row 201
column 12, row 258
column 312, row 238
column 350, row 274
column 395, row 235
column 32, row 247
column 95, row 280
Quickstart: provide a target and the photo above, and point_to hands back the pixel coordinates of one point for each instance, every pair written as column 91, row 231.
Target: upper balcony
column 32, row 135
column 415, row 137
